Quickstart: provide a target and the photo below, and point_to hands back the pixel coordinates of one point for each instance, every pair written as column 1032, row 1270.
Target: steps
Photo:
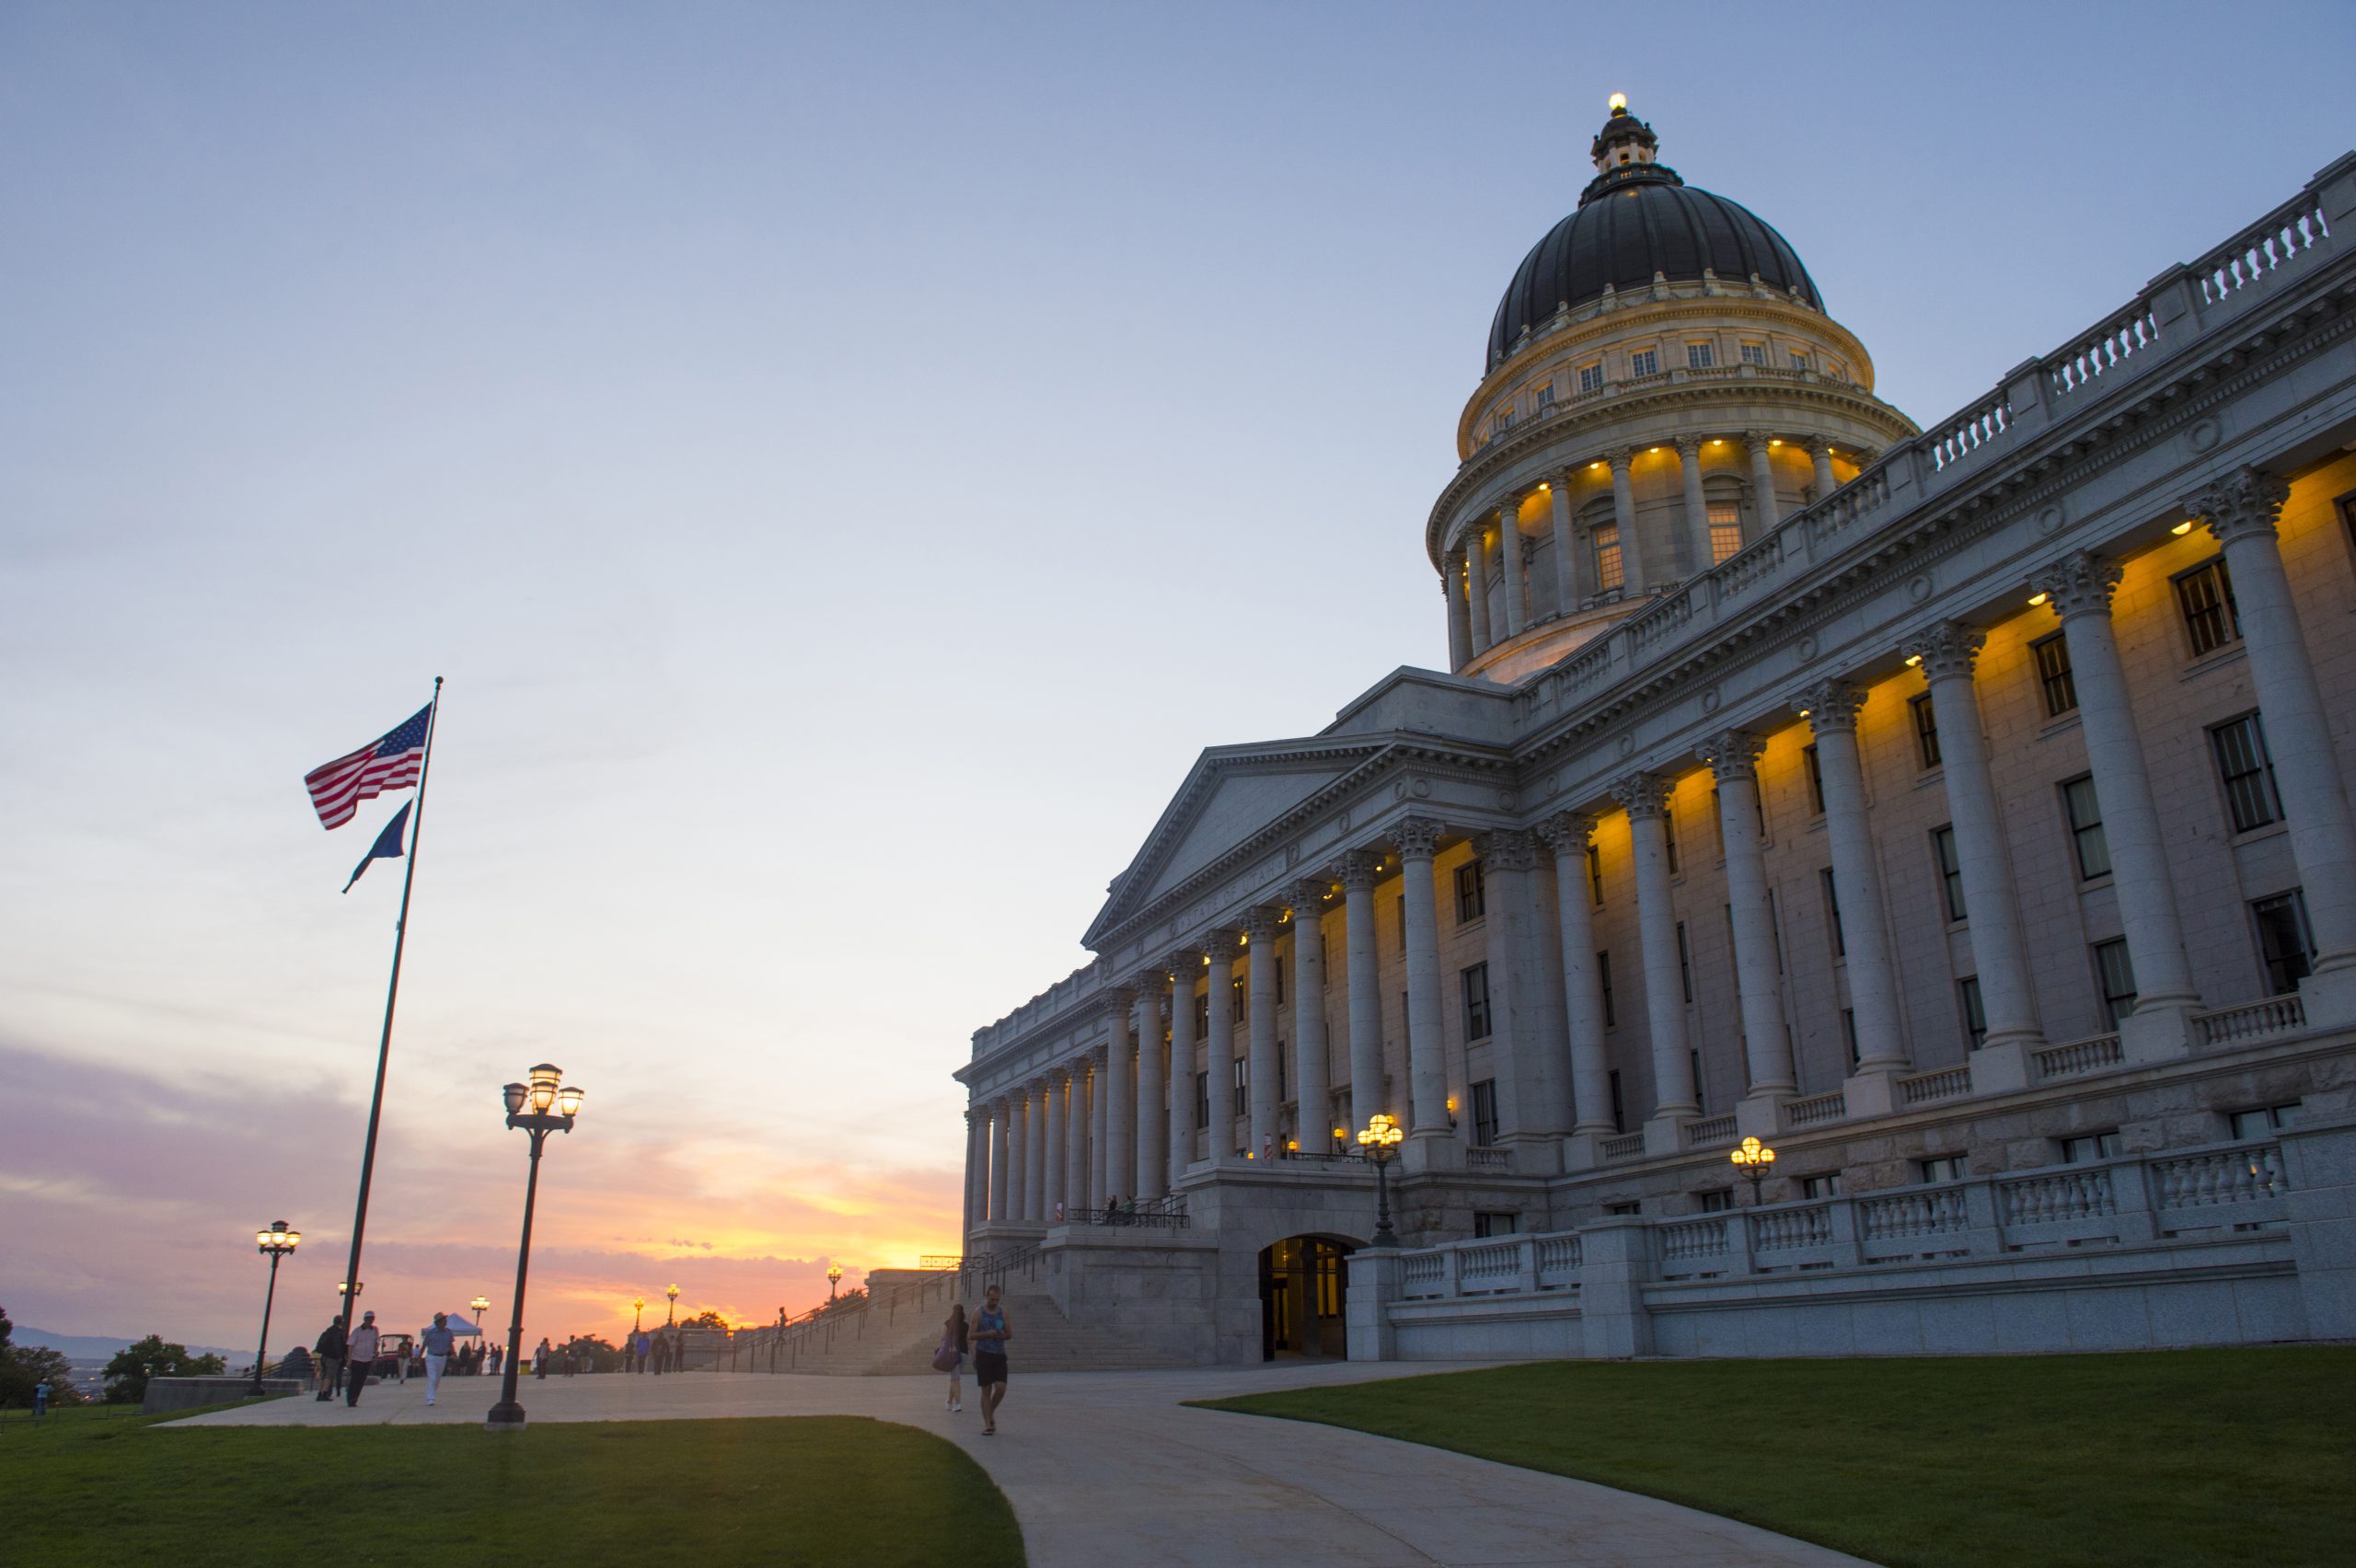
column 901, row 1342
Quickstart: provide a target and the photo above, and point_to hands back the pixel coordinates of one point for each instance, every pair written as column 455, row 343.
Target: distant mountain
column 98, row 1347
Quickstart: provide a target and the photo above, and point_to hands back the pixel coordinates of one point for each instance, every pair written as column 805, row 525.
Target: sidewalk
column 1109, row 1467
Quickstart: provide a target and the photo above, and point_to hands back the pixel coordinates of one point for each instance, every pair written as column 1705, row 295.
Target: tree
column 24, row 1368
column 706, row 1319
column 127, row 1373
column 596, row 1353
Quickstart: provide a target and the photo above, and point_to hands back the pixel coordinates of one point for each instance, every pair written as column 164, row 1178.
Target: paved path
column 1109, row 1467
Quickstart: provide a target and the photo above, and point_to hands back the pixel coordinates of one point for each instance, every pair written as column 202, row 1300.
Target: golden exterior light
column 481, row 1304
column 2035, row 599
column 672, row 1291
column 545, row 1077
column 1752, row 1157
column 1913, row 659
column 1618, row 101
column 278, row 1238
column 834, row 1270
column 1380, row 1132
column 1776, row 442
column 1339, row 1134
column 568, row 1100
column 2182, row 528
column 1804, row 712
column 638, row 1304
column 1292, row 1146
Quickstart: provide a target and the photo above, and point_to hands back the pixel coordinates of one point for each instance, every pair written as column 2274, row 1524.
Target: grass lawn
column 2176, row 1460
column 814, row 1489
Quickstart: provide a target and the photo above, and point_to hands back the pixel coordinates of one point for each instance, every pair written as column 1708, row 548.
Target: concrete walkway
column 1109, row 1467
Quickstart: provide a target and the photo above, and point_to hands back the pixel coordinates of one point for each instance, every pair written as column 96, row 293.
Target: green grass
column 2178, row 1459
column 789, row 1490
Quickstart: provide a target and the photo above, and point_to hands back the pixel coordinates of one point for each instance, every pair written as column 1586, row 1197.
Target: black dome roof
column 1632, row 222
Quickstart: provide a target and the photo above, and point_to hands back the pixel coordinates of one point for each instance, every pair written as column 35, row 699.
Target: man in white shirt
column 360, row 1358
column 437, row 1352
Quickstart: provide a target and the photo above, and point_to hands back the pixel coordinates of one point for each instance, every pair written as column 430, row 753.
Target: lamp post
column 1377, row 1138
column 637, row 1315
column 274, row 1244
column 1752, row 1158
column 672, row 1291
column 834, row 1277
column 539, row 1108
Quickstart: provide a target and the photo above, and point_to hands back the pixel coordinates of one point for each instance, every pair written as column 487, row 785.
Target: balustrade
column 2232, row 1026
column 2057, row 1196
column 2103, row 350
column 1903, row 1217
column 1945, row 1084
column 1974, row 428
column 2258, row 252
column 1816, row 1109
column 1710, row 1130
column 1780, row 1230
column 1625, row 1147
column 2079, row 1056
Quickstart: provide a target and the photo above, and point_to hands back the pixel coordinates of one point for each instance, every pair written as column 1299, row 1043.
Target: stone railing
column 1921, row 1089
column 2257, row 1021
column 1817, row 1108
column 1505, row 1266
column 1627, row 1145
column 2068, row 1060
column 1490, row 1160
column 1710, row 1130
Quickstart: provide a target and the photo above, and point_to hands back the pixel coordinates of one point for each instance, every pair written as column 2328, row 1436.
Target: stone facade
column 1930, row 824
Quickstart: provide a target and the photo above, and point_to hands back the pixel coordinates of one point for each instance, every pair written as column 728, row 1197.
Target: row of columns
column 1548, row 1028
column 1472, row 563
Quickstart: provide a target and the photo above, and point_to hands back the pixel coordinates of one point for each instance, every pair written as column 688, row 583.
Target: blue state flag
column 386, row 847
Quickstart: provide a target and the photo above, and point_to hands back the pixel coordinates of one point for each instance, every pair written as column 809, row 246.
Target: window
column 1280, row 978
column 1624, row 1208
column 1203, row 1099
column 1726, row 530
column 2205, row 595
column 1545, row 399
column 1754, row 353
column 1950, row 872
column 1645, row 361
column 1486, row 1225
column 1475, row 981
column 1471, row 893
column 1926, row 730
column 1595, row 875
column 2085, row 811
column 1684, row 963
column 1591, row 377
column 1849, row 1037
column 1485, row 1113
column 1975, row 1018
column 1799, row 360
column 1236, row 999
column 1503, row 423
column 1700, row 356
column 1946, row 1167
column 1669, row 833
column 1242, row 1087
column 2283, row 947
column 1694, row 1066
column 1283, row 1073
column 1832, row 913
column 1619, row 1116
column 1203, row 1016
column 1604, row 975
column 1605, row 538
column 2115, row 977
column 2263, row 1122
column 1815, row 780
column 2053, row 677
column 2248, row 770
column 1825, row 1186
column 1715, row 1200
column 2089, row 1147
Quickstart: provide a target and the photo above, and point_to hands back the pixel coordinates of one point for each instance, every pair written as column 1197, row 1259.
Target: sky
column 846, row 462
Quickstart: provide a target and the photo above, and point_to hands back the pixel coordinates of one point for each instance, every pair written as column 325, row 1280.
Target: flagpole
column 385, row 1041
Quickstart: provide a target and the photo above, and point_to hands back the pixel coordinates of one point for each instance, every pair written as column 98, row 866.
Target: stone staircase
column 877, row 1343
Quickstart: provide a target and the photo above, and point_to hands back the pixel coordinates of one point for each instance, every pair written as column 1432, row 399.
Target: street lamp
column 539, row 1107
column 1752, row 1158
column 274, row 1244
column 834, row 1277
column 481, row 1304
column 672, row 1291
column 1377, row 1138
column 637, row 1315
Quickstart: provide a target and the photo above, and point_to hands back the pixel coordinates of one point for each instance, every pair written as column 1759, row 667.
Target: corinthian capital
column 1566, row 833
column 1733, row 754
column 1261, row 922
column 2245, row 501
column 1357, row 870
column 1150, row 982
column 1309, row 899
column 1507, row 850
column 1688, row 448
column 1946, row 650
column 1757, row 439
column 1644, row 794
column 1830, row 704
column 2079, row 584
column 1418, row 837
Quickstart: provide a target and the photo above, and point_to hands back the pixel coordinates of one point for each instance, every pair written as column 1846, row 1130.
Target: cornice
column 1637, row 307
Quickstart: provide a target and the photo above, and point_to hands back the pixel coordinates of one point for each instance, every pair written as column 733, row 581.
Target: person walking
column 662, row 1353
column 362, row 1359
column 437, row 1341
column 951, row 1356
column 330, row 1350
column 540, row 1359
column 990, row 1337
column 641, row 1348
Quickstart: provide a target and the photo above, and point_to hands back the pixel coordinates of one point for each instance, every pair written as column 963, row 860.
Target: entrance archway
column 1304, row 1298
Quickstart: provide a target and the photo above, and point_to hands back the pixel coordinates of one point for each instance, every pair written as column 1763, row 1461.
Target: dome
column 1636, row 219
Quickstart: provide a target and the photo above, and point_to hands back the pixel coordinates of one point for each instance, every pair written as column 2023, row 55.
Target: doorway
column 1304, row 1298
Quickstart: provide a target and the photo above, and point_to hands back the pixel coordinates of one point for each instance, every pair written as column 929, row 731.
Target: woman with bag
column 951, row 1356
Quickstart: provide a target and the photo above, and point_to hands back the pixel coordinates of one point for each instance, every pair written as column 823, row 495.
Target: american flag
column 391, row 761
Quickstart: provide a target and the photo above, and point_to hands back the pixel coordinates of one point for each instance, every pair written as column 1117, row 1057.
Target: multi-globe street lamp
column 539, row 1108
column 672, row 1291
column 637, row 1315
column 274, row 1244
column 1377, row 1138
column 1752, row 1158
column 833, row 1278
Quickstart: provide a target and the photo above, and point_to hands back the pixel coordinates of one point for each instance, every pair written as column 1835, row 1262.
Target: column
column 1186, row 969
column 1510, row 566
column 1476, row 563
column 1831, row 708
column 1312, row 1092
column 1623, row 516
column 1646, row 796
column 1018, row 1149
column 1220, row 1049
column 2240, row 511
column 1000, row 1158
column 1100, row 1101
column 1052, row 1143
column 1568, row 574
column 976, row 1179
column 1365, row 990
column 2079, row 589
column 1762, row 478
column 1733, row 756
column 1078, row 1197
column 1034, row 1154
column 1152, row 1164
column 1427, row 1058
column 1263, row 1073
column 1697, row 512
column 1999, row 948
column 1529, row 1090
column 1819, row 452
column 1459, row 611
column 1566, row 838
column 1120, row 1097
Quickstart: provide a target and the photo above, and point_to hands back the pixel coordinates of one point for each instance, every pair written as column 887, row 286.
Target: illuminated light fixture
column 2182, row 528
column 1619, row 102
column 1718, row 443
column 1242, row 939
column 1595, row 464
column 2037, row 599
column 1545, row 485
column 1207, row 960
column 1778, row 440
column 1652, row 448
column 1803, row 713
column 1912, row 658
column 1752, row 1160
